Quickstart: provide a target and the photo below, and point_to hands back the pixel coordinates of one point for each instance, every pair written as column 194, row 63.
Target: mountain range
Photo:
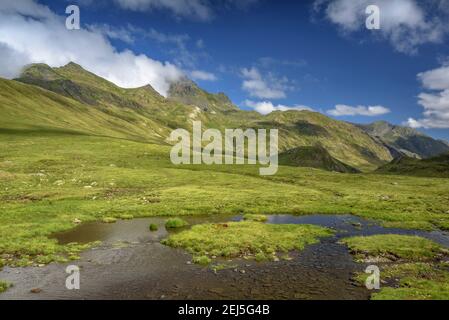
column 45, row 100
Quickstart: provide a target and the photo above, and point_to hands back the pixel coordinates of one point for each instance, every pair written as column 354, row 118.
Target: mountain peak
column 188, row 92
column 73, row 65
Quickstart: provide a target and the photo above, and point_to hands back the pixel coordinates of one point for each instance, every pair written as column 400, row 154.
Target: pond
column 132, row 264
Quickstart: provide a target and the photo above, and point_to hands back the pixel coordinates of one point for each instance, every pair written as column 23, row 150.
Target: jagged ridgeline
column 404, row 141
column 73, row 100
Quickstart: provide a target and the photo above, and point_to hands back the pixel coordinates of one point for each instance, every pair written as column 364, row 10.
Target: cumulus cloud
column 268, row 87
column 407, row 24
column 203, row 75
column 369, row 111
column 31, row 33
column 266, row 107
column 436, row 101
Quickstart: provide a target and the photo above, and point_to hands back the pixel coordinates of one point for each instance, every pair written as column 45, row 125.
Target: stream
column 132, row 264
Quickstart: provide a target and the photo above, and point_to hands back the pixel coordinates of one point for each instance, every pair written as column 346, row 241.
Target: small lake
column 132, row 264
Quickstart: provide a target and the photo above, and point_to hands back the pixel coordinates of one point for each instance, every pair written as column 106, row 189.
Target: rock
column 41, row 265
column 77, row 221
column 276, row 259
column 242, row 271
column 36, row 290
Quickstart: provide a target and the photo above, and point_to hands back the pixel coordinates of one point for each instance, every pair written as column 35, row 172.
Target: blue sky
column 291, row 54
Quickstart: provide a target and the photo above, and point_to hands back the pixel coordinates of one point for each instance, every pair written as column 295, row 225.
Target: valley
column 77, row 151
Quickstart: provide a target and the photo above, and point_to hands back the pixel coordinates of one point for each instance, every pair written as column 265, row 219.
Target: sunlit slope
column 437, row 167
column 145, row 114
column 29, row 109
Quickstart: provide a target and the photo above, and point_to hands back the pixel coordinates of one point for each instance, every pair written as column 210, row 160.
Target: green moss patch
column 153, row 227
column 175, row 223
column 394, row 247
column 109, row 220
column 245, row 239
column 418, row 281
column 4, row 286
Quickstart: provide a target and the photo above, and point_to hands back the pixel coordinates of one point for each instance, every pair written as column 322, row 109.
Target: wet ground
column 132, row 264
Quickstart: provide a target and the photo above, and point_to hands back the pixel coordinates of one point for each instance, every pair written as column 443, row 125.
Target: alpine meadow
column 165, row 187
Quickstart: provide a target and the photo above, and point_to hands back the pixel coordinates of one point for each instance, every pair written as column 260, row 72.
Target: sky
column 265, row 55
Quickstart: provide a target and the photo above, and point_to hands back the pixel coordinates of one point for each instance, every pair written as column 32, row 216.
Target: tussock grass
column 395, row 247
column 175, row 223
column 245, row 239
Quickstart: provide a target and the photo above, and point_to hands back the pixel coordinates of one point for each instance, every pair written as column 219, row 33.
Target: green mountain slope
column 437, row 167
column 314, row 157
column 103, row 108
column 406, row 141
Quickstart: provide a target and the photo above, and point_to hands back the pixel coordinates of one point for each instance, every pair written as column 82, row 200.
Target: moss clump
column 245, row 239
column 153, row 227
column 126, row 217
column 417, row 273
column 202, row 260
column 255, row 217
column 418, row 281
column 4, row 286
column 394, row 247
column 109, row 220
column 175, row 223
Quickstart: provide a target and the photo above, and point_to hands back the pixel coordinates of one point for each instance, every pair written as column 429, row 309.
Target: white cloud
column 35, row 34
column 269, row 87
column 369, row 111
column 266, row 107
column 201, row 10
column 435, row 102
column 405, row 23
column 202, row 75
column 196, row 9
column 123, row 34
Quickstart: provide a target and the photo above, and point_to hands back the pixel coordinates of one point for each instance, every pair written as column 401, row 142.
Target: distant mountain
column 432, row 167
column 72, row 98
column 405, row 141
column 187, row 92
column 314, row 157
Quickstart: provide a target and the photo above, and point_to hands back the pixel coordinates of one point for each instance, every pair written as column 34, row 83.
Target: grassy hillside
column 437, row 167
column 313, row 157
column 47, row 182
column 143, row 109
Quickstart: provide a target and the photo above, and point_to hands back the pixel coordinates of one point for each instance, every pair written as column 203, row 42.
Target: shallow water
column 132, row 264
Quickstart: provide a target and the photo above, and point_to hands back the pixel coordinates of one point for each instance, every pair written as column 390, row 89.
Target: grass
column 126, row 217
column 175, row 223
column 255, row 217
column 154, row 227
column 416, row 274
column 4, row 286
column 245, row 239
column 418, row 281
column 48, row 180
column 109, row 220
column 394, row 247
